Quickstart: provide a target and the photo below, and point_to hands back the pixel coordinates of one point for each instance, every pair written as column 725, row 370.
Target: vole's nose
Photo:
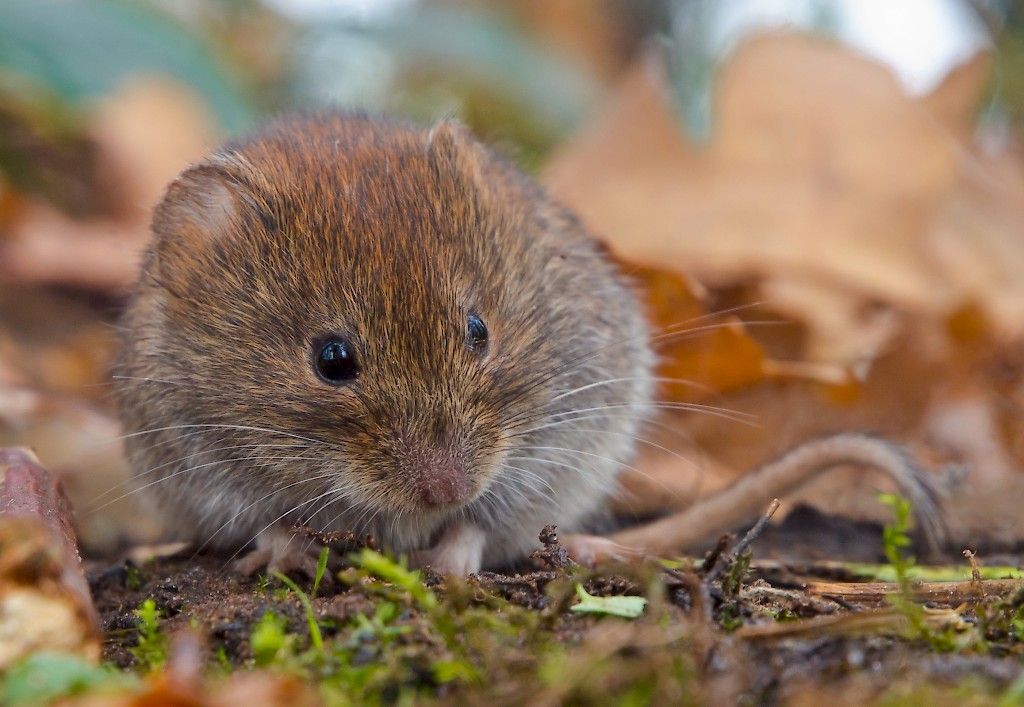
column 440, row 477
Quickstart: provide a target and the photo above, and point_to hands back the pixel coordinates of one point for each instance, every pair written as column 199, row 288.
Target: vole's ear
column 452, row 144
column 205, row 202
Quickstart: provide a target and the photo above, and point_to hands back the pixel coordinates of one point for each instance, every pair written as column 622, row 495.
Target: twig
column 743, row 544
column 951, row 592
column 866, row 622
column 716, row 553
column 345, row 538
column 975, row 568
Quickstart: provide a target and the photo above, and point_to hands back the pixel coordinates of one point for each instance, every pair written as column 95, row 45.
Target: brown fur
column 389, row 235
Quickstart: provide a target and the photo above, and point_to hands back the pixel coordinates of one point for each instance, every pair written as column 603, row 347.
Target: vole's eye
column 476, row 333
column 336, row 362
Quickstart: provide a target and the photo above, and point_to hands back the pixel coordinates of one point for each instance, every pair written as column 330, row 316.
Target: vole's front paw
column 281, row 551
column 460, row 551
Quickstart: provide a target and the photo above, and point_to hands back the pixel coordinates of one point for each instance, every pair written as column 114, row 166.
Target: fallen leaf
column 825, row 188
column 46, row 247
column 45, row 676
column 146, row 133
column 624, row 606
column 149, row 130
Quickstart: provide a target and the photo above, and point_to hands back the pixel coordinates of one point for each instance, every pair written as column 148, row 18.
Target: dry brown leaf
column 44, row 598
column 976, row 240
column 83, row 447
column 821, row 173
column 718, row 360
column 705, row 353
column 147, row 132
column 46, row 247
column 53, row 342
column 869, row 218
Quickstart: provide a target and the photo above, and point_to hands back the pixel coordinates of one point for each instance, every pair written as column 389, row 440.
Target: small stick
column 950, row 592
column 865, row 622
column 751, row 535
column 975, row 568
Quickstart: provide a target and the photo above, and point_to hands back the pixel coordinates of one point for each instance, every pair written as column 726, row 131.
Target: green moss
column 133, row 578
column 896, row 544
column 150, row 650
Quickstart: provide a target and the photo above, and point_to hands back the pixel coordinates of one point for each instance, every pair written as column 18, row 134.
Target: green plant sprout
column 269, row 641
column 321, row 568
column 150, row 650
column 314, row 629
column 896, row 543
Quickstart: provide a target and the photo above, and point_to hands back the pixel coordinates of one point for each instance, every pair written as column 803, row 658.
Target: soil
column 203, row 592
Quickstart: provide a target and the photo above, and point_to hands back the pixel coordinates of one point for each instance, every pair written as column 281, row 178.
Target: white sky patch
column 358, row 10
column 921, row 40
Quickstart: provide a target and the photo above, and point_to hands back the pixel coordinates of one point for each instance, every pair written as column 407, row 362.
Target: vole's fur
column 390, row 236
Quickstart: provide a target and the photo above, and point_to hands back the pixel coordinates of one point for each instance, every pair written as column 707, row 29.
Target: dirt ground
column 710, row 627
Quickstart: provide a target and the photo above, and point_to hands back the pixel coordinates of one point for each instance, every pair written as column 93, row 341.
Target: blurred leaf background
column 833, row 188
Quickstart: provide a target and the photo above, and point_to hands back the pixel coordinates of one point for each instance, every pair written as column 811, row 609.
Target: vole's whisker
column 511, row 488
column 724, row 413
column 157, row 445
column 681, row 335
column 380, row 502
column 645, row 417
column 684, row 334
column 396, row 518
column 529, row 416
column 641, row 440
column 728, row 311
column 308, row 518
column 373, row 507
column 325, row 527
column 277, row 520
column 259, row 500
column 341, row 492
column 213, row 450
column 684, row 328
column 198, row 427
column 187, row 470
column 548, row 461
column 146, row 379
column 589, row 454
column 695, row 465
column 549, row 424
column 529, row 475
column 496, row 504
column 584, row 474
column 630, row 379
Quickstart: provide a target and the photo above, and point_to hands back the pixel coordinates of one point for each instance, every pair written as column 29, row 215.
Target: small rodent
column 356, row 324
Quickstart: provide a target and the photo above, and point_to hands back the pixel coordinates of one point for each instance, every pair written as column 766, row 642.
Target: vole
column 367, row 326
column 357, row 324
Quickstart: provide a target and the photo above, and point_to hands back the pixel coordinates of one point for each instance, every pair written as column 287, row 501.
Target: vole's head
column 375, row 307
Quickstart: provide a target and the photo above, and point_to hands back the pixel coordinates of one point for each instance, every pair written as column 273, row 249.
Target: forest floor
column 785, row 622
